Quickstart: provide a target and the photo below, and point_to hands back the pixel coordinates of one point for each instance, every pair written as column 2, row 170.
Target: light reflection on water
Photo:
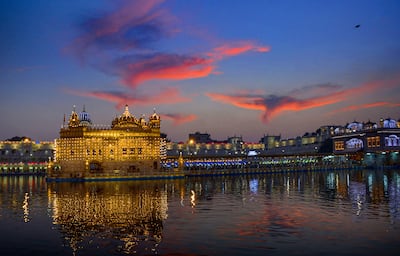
column 329, row 213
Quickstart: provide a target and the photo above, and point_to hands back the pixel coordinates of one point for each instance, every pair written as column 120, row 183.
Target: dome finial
column 84, row 117
column 126, row 112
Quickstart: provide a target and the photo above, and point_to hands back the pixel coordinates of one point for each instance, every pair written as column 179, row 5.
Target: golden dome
column 73, row 118
column 125, row 120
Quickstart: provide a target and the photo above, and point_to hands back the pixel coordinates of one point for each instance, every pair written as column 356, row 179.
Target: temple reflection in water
column 130, row 214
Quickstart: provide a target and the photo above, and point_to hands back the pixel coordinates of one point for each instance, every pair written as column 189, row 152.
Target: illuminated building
column 23, row 156
column 129, row 146
column 376, row 145
column 310, row 143
column 197, row 146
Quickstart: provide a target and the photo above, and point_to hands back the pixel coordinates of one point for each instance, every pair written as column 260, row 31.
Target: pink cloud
column 236, row 48
column 179, row 119
column 241, row 100
column 163, row 66
column 180, row 67
column 122, row 40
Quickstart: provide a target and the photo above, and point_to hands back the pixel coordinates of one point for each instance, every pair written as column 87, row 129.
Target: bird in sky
column 357, row 26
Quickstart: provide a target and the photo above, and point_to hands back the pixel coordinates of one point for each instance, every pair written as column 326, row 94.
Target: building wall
column 25, row 156
column 379, row 140
column 380, row 146
column 26, row 151
column 107, row 151
column 103, row 145
column 316, row 142
column 212, row 149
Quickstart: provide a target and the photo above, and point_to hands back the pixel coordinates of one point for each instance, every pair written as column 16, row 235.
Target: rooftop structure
column 198, row 137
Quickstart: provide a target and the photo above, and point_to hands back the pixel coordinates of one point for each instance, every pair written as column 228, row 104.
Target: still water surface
column 307, row 213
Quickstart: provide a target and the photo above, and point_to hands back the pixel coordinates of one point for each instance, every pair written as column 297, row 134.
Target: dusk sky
column 225, row 67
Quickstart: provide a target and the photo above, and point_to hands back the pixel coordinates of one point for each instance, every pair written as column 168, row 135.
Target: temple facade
column 128, row 146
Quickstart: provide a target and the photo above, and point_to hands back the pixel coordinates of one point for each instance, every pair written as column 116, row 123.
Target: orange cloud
column 179, row 119
column 241, row 101
column 138, row 69
column 164, row 66
column 237, row 48
column 273, row 105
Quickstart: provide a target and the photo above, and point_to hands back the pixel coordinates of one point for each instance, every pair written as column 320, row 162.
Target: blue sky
column 224, row 67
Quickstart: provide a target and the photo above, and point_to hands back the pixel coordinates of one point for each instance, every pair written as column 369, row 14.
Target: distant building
column 129, row 145
column 316, row 142
column 379, row 144
column 22, row 155
column 163, row 146
column 233, row 146
column 270, row 141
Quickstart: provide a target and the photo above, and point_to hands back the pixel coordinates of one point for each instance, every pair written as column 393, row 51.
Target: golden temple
column 130, row 146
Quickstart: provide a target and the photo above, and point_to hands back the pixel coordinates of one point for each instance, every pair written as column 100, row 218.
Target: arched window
column 392, row 141
column 354, row 144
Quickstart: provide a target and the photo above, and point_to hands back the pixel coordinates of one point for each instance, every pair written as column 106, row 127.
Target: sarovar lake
column 292, row 213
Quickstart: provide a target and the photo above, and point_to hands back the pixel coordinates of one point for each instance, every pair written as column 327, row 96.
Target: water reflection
column 124, row 215
column 25, row 206
column 375, row 187
column 192, row 198
column 17, row 193
column 310, row 213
